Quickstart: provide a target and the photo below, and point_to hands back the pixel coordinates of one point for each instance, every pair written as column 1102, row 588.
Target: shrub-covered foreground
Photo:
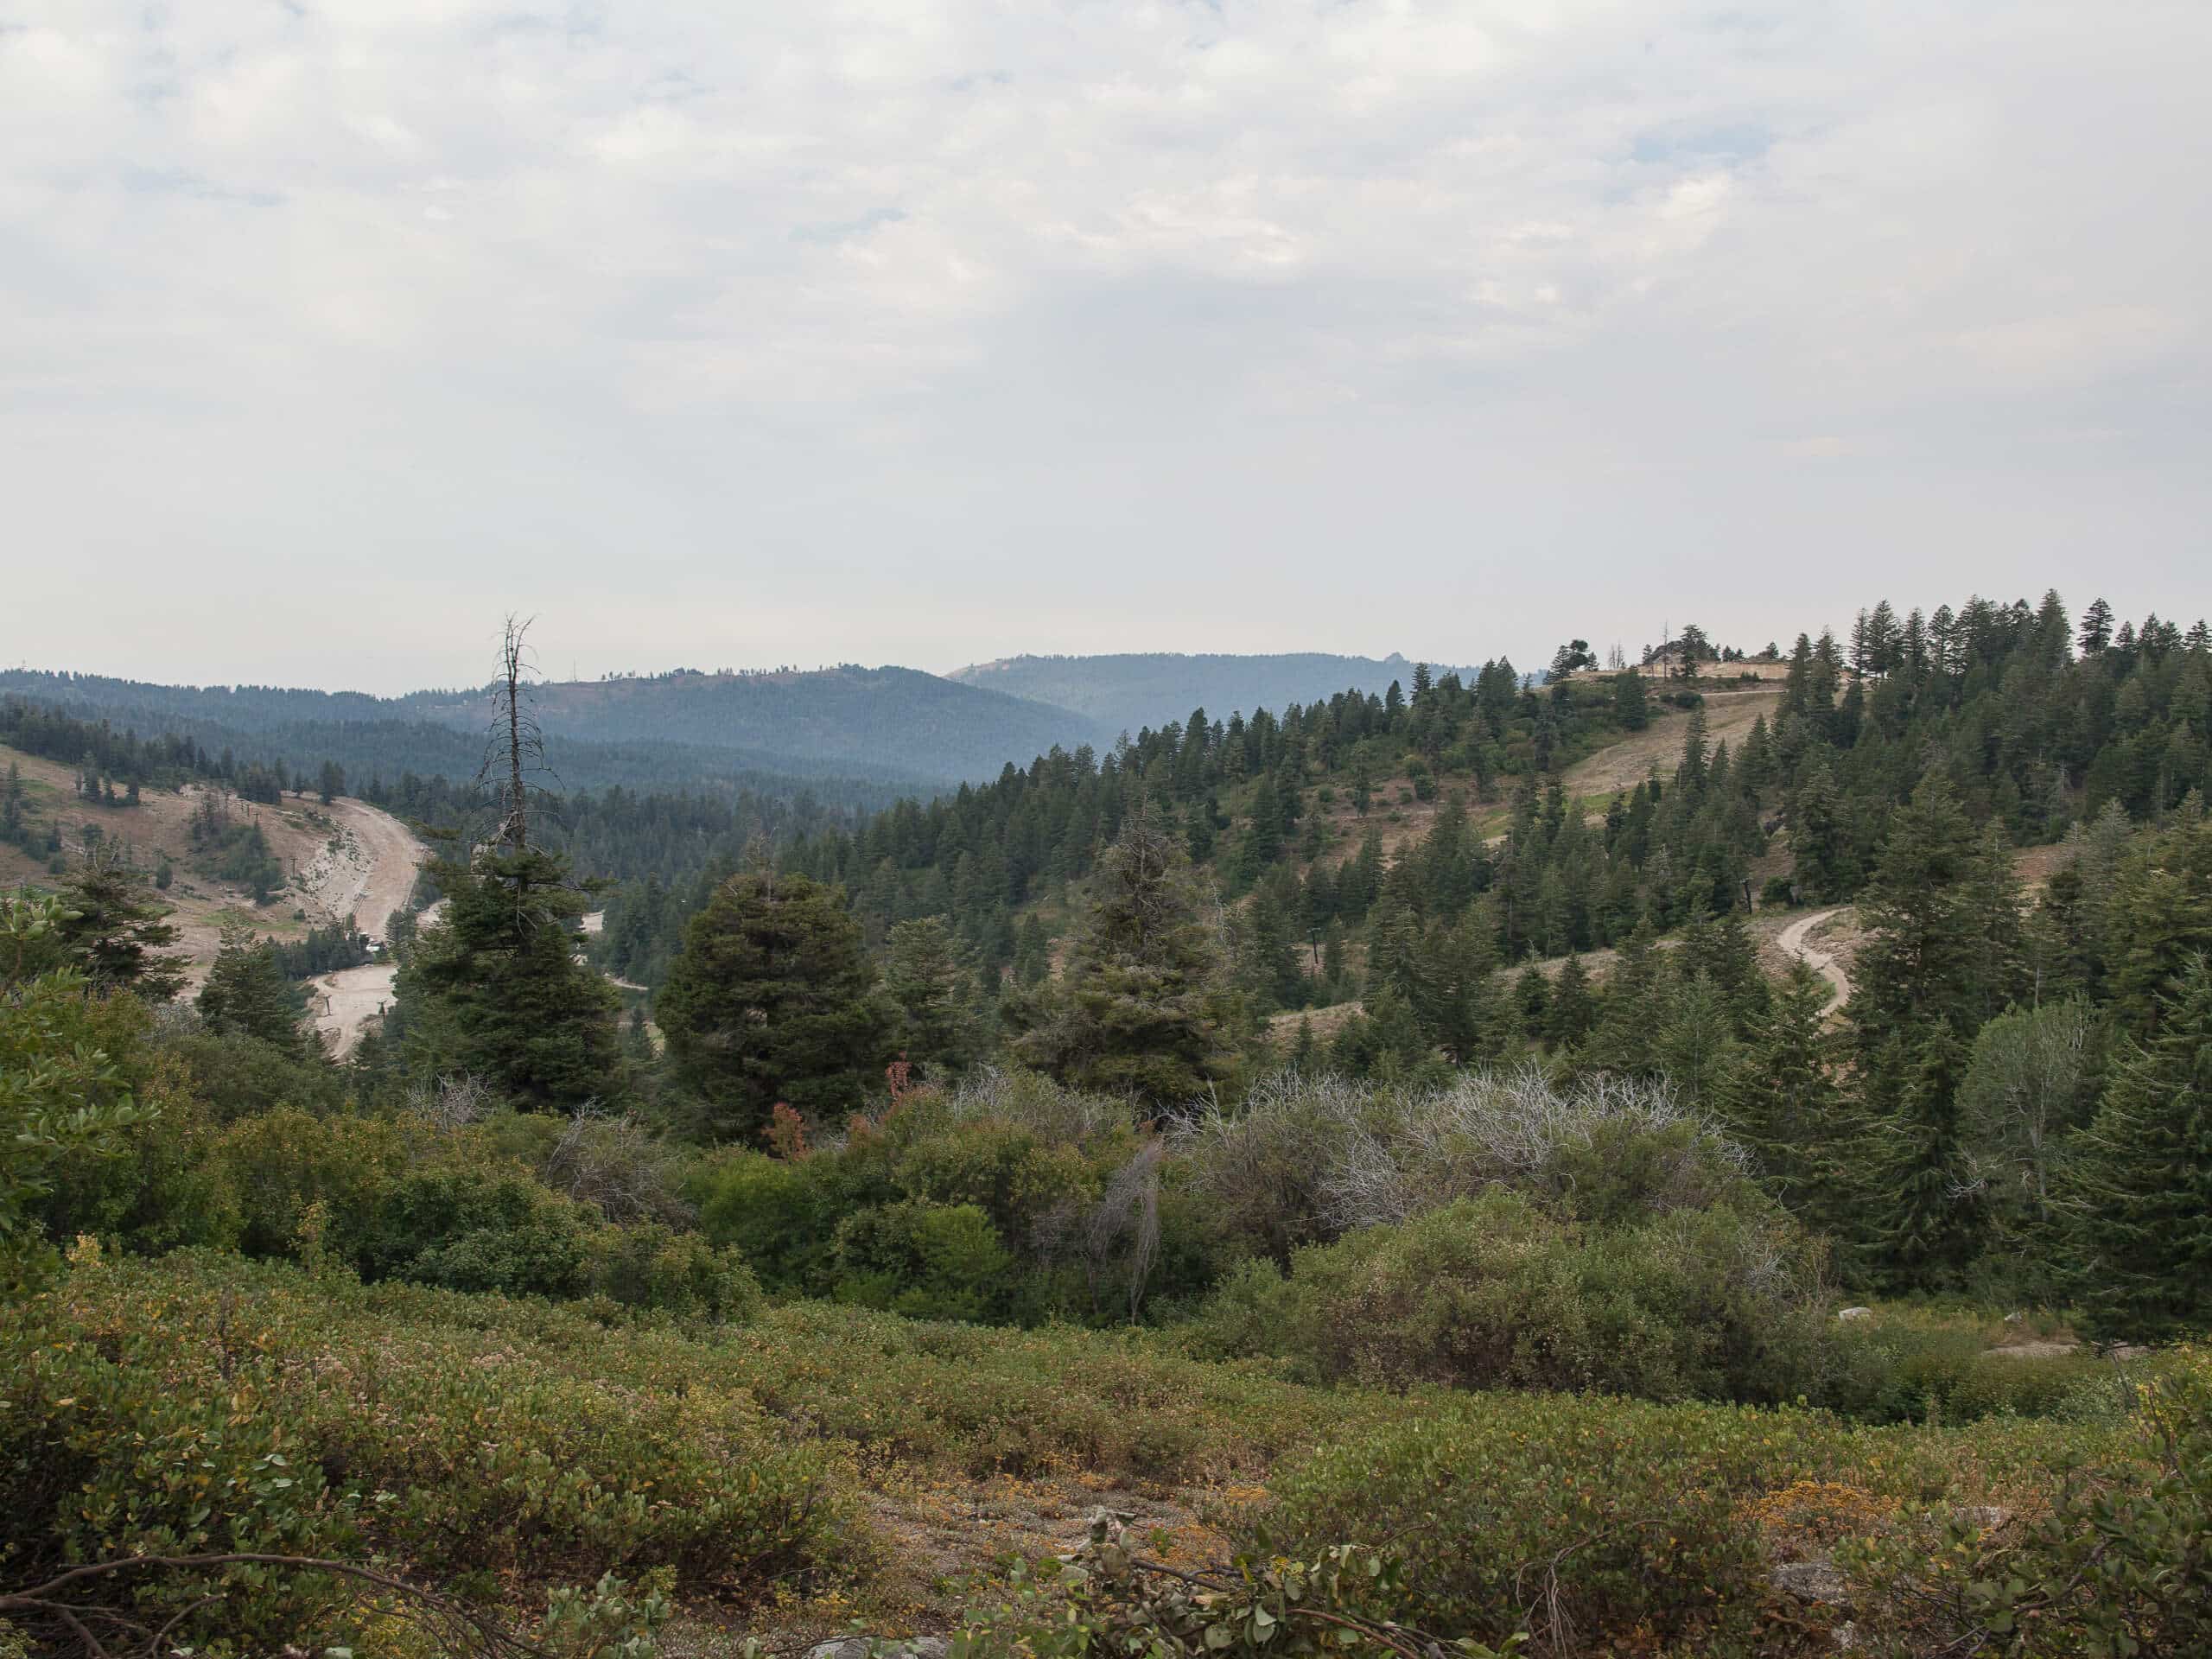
column 213, row 1405
column 497, row 1449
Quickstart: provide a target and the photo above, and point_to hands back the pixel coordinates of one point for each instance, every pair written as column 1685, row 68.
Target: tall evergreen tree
column 1783, row 1102
column 1143, row 1008
column 115, row 934
column 1943, row 919
column 503, row 991
column 246, row 992
column 2139, row 1191
column 1572, row 1009
column 774, row 999
column 931, row 979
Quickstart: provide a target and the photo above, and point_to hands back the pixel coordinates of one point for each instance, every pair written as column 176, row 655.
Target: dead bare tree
column 515, row 747
column 1129, row 1208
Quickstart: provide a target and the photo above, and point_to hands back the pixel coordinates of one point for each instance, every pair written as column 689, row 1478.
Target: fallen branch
column 462, row 1629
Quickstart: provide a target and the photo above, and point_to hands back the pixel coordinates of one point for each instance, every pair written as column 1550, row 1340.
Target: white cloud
column 937, row 331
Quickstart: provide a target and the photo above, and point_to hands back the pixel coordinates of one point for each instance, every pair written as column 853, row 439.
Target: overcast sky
column 745, row 334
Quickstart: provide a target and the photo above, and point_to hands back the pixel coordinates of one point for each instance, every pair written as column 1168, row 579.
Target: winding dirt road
column 383, row 879
column 1793, row 942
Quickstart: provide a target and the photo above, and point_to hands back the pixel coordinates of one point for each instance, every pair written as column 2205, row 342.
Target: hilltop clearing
column 1728, row 718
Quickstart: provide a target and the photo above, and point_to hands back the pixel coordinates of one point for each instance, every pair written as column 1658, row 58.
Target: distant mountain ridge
column 886, row 726
column 1129, row 690
column 873, row 728
column 873, row 718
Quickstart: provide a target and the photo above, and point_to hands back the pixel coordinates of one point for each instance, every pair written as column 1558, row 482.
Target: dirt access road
column 1796, row 941
column 367, row 871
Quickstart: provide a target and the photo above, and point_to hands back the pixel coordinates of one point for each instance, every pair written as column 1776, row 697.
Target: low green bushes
column 1496, row 1293
column 219, row 1406
column 486, row 1441
column 2113, row 1559
column 1602, row 1525
column 1009, row 1200
column 1940, row 1364
column 985, row 1401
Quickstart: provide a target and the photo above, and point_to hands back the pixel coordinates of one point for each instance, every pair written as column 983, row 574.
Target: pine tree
column 1573, row 1009
column 2139, row 1193
column 1696, row 1047
column 115, row 934
column 773, row 999
column 1921, row 1222
column 1943, row 920
column 1784, row 1104
column 2096, row 628
column 1631, row 701
column 1262, row 844
column 1626, row 1036
column 502, row 992
column 246, row 992
column 929, row 977
column 1143, row 1008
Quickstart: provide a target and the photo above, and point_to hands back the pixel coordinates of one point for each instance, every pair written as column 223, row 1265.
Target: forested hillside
column 1128, row 691
column 1365, row 1139
column 1437, row 794
column 874, row 719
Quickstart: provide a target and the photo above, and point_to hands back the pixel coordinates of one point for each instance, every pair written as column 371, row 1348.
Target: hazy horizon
column 929, row 334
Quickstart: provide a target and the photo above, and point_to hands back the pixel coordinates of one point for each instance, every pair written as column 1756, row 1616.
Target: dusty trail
column 1793, row 942
column 377, row 876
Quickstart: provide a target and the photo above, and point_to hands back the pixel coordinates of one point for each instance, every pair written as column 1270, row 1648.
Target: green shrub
column 781, row 1214
column 1934, row 1364
column 649, row 1266
column 242, row 1076
column 1583, row 1521
column 153, row 1184
column 475, row 1229
column 2112, row 1564
column 280, row 1162
column 926, row 1261
column 209, row 1403
column 1494, row 1293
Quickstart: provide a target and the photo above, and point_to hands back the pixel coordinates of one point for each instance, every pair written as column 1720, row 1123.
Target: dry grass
column 1728, row 718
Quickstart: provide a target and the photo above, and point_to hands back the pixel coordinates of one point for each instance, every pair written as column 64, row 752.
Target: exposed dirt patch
column 2034, row 1350
column 346, row 860
column 1400, row 817
column 1327, row 1021
column 344, row 1005
column 2035, row 866
column 379, row 876
column 1728, row 718
column 943, row 1541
